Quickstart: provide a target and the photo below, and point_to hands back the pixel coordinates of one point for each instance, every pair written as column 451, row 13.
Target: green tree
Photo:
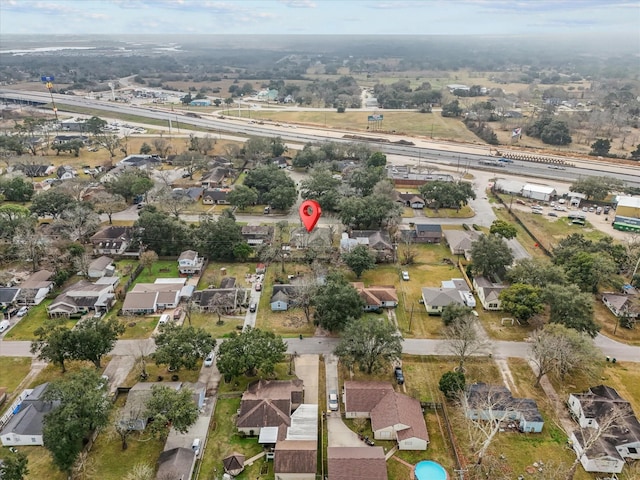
column 272, row 183
column 51, row 202
column 522, row 301
column 370, row 343
column 242, row 197
column 556, row 133
column 93, row 338
column 589, row 270
column 161, row 233
column 257, row 149
column 250, row 352
column 72, row 146
column 83, row 406
column 359, row 260
column 278, row 147
column 504, row 229
column 451, row 109
column 171, row 408
column 129, row 184
column 14, row 466
column 218, row 238
column 596, row 188
column 53, row 344
column 201, row 145
column 447, row 194
column 181, row 347
column 321, row 187
column 451, row 384
column 635, row 154
column 536, row 272
column 145, row 149
column 16, row 189
column 363, row 180
column 12, row 218
column 601, row 147
column 572, row 308
column 337, row 303
column 490, row 255
column 561, row 350
column 377, row 159
column 453, row 312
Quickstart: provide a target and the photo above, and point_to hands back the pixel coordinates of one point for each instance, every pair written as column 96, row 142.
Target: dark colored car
column 399, row 375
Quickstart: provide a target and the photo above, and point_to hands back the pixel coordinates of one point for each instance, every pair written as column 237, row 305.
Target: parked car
column 333, row 400
column 399, row 375
column 209, row 360
column 258, row 287
column 177, row 313
column 521, row 202
column 23, row 311
column 4, row 324
column 405, row 275
column 552, row 214
column 591, row 209
column 195, row 446
column 252, row 307
column 585, row 209
column 607, row 209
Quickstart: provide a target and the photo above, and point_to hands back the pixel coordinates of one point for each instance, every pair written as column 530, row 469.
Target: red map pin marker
column 310, row 212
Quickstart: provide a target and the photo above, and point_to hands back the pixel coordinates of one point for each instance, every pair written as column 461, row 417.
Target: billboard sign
column 47, row 78
column 375, row 118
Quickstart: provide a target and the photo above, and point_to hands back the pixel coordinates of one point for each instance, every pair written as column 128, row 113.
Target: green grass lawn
column 138, row 327
column 492, row 323
column 609, row 324
column 12, row 372
column 208, row 322
column 464, row 212
column 213, row 274
column 37, row 316
column 160, row 269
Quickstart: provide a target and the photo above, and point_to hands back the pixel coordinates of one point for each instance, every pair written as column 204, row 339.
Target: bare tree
column 141, row 471
column 81, row 263
column 221, row 304
column 32, row 246
column 78, row 222
column 303, row 295
column 108, row 203
column 148, row 258
column 75, row 187
column 463, row 340
column 173, row 203
column 161, row 146
column 408, row 251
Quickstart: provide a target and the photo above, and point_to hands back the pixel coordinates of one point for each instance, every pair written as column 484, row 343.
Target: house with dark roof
column 35, row 288
column 268, row 403
column 601, row 407
column 111, row 240
column 496, row 403
column 296, row 459
column 426, row 233
column 488, row 292
column 189, row 263
column 376, row 297
column 217, row 196
column 133, row 415
column 65, row 172
column 256, row 235
column 176, row 464
column 361, row 397
column 146, row 298
column 282, row 297
column 25, row 425
column 410, row 200
column 82, row 297
column 206, row 300
column 140, row 161
column 8, row 296
column 460, row 241
column 350, row 463
column 399, row 417
column 622, row 305
column 218, row 177
column 378, row 242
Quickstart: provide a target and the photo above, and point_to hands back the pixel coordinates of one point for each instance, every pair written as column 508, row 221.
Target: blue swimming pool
column 429, row 470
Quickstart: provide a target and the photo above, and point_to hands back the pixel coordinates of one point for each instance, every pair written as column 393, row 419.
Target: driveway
column 339, row 434
column 306, row 368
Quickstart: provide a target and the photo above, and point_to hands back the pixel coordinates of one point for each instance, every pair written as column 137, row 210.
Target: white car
column 405, row 275
column 333, row 400
column 209, row 360
column 23, row 311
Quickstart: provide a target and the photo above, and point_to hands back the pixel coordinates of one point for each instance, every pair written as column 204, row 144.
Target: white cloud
column 299, row 3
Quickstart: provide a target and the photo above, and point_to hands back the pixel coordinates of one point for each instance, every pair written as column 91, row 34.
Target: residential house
column 218, row 177
column 296, row 448
column 427, row 233
column 35, row 288
column 376, row 297
column 65, row 172
column 257, row 235
column 349, row 463
column 100, row 267
column 217, row 196
column 82, row 297
column 280, row 162
column 268, row 403
column 377, row 241
column 361, row 397
column 146, row 298
column 622, row 305
column 488, row 292
column 399, row 417
column 33, row 170
column 25, row 425
column 189, row 263
column 460, row 241
column 62, row 139
column 206, row 300
column 112, row 240
column 133, row 416
column 8, row 296
column 410, row 200
column 283, row 297
column 176, row 463
column 601, row 407
column 318, row 237
column 140, row 161
column 496, row 403
column 194, row 193
column 451, row 291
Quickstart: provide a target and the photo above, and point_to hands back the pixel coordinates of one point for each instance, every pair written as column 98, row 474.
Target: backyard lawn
column 12, row 372
column 37, row 316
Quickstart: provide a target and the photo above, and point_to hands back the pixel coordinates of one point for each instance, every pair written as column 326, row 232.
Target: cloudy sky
column 319, row 16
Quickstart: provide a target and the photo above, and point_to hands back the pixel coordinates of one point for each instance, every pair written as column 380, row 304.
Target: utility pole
column 411, row 317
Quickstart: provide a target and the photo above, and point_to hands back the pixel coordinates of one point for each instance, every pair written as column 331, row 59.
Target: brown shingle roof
column 364, row 396
column 397, row 408
column 295, row 456
column 356, row 463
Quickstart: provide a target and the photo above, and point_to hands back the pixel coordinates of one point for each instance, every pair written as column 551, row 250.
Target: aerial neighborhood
column 466, row 305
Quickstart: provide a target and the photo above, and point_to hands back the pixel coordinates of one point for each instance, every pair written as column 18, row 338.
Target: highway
column 449, row 154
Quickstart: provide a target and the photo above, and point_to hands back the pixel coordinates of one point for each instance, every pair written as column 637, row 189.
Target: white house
column 601, row 407
column 35, row 288
column 543, row 193
column 189, row 263
column 488, row 292
column 25, row 425
column 99, row 267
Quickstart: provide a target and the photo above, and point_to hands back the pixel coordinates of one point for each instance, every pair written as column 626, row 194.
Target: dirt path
column 567, row 424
